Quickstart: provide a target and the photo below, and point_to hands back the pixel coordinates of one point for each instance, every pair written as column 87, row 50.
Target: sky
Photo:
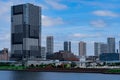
column 69, row 20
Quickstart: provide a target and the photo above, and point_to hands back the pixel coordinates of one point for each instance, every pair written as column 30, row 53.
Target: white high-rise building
column 50, row 45
column 111, row 45
column 97, row 49
column 100, row 48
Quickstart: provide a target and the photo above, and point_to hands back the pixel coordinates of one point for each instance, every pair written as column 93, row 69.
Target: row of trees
column 53, row 65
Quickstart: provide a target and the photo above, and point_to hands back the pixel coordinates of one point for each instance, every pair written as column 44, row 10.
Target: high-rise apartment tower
column 49, row 45
column 82, row 49
column 111, row 45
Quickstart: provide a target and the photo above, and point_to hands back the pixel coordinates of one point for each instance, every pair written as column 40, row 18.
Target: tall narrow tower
column 97, row 49
column 25, row 31
column 111, row 45
column 82, row 49
column 49, row 45
column 67, row 46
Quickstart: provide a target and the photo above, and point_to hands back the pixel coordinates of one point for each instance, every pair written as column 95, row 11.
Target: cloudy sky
column 69, row 20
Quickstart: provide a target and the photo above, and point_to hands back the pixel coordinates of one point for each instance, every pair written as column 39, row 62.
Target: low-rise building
column 38, row 62
column 92, row 58
column 4, row 55
column 109, row 57
column 63, row 56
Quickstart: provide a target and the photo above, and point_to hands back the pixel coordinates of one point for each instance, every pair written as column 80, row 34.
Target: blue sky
column 69, row 20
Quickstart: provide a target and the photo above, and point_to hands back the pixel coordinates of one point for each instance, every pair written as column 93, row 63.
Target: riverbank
column 72, row 70
column 77, row 70
column 112, row 71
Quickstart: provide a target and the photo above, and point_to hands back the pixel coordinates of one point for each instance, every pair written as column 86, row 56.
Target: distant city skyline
column 69, row 20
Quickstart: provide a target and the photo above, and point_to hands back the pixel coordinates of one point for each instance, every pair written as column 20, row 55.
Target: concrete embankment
column 73, row 70
column 76, row 70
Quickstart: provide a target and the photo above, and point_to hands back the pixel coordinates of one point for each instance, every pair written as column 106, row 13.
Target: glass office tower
column 25, row 31
column 67, row 46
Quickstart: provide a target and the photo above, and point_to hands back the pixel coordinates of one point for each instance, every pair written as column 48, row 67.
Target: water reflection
column 20, row 75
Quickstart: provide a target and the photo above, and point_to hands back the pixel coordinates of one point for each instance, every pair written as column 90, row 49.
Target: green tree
column 73, row 64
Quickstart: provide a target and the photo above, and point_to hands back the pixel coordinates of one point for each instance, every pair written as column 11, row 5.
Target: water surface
column 19, row 75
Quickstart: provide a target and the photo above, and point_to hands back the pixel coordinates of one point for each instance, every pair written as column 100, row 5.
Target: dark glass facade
column 17, row 9
column 26, row 30
column 109, row 57
column 67, row 46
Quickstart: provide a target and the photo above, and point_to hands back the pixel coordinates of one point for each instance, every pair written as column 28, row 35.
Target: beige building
column 82, row 49
column 4, row 55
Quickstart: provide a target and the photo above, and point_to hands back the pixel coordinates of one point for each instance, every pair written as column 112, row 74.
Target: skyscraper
column 100, row 48
column 49, row 45
column 25, row 30
column 111, row 45
column 119, row 50
column 67, row 46
column 97, row 49
column 103, row 48
column 119, row 47
column 82, row 49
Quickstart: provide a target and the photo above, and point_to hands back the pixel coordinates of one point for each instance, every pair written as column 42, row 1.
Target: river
column 20, row 75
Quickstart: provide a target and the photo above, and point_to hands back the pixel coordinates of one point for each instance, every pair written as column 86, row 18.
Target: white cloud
column 105, row 13
column 5, row 11
column 5, row 40
column 56, row 4
column 78, row 35
column 42, row 6
column 5, row 37
column 98, row 23
column 5, row 24
column 5, row 7
column 49, row 21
